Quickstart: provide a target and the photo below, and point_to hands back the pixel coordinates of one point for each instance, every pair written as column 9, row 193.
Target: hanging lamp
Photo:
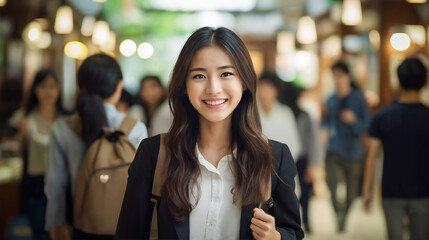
column 64, row 20
column 352, row 12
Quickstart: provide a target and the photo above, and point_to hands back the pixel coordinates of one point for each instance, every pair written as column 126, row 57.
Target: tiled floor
column 360, row 225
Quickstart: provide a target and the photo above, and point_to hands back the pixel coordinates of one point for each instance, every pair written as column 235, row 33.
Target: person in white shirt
column 100, row 83
column 223, row 179
column 278, row 121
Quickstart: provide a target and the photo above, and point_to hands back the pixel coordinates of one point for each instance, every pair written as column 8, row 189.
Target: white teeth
column 215, row 102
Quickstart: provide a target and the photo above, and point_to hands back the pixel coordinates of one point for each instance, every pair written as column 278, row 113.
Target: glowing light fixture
column 417, row 34
column 76, row 49
column 400, row 41
column 32, row 32
column 64, row 20
column 416, row 1
column 109, row 46
column 145, row 50
column 87, row 26
column 128, row 47
column 352, row 12
column 44, row 41
column 306, row 33
column 101, row 33
column 3, row 3
column 99, row 1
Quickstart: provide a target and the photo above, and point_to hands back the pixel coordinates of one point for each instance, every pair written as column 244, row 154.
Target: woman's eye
column 226, row 74
column 198, row 76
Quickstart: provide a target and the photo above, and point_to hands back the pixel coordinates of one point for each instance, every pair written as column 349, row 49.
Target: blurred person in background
column 278, row 121
column 153, row 109
column 34, row 123
column 344, row 125
column 125, row 102
column 402, row 130
column 100, row 87
column 311, row 146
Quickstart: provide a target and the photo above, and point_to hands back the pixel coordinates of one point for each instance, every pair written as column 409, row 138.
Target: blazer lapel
column 182, row 229
column 246, row 217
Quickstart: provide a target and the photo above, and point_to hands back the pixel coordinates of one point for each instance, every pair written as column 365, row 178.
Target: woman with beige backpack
column 84, row 137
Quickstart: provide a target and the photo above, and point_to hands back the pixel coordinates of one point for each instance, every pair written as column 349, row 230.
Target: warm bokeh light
column 3, row 3
column 400, row 41
column 306, row 33
column 145, row 50
column 44, row 41
column 417, row 34
column 110, row 44
column 416, row 1
column 128, row 47
column 352, row 12
column 374, row 39
column 87, row 28
column 76, row 49
column 33, row 34
column 101, row 33
column 64, row 20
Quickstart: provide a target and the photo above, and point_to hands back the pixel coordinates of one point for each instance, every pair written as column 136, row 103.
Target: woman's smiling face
column 213, row 85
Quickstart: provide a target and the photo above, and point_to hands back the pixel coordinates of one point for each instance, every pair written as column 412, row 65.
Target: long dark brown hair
column 252, row 164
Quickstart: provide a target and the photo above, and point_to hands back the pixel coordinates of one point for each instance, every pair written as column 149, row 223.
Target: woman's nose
column 214, row 86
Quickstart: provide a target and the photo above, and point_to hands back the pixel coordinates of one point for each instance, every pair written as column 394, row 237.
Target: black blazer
column 136, row 214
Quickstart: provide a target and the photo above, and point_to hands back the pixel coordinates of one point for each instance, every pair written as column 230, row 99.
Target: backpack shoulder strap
column 127, row 125
column 158, row 181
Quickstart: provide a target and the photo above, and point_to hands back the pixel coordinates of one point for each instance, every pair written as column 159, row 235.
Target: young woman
column 219, row 167
column 100, row 87
column 153, row 108
column 34, row 124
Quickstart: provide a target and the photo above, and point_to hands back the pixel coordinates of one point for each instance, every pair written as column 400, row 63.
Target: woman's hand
column 264, row 226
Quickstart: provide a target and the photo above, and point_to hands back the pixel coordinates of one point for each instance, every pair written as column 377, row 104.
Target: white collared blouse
column 215, row 216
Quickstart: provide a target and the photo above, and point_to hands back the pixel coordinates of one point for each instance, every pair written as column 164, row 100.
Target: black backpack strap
column 127, row 125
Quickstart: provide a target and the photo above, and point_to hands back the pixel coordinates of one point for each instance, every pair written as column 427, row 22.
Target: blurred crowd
column 345, row 141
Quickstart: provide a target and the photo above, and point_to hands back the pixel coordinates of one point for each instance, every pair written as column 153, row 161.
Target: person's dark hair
column 157, row 80
column 289, row 96
column 127, row 97
column 272, row 78
column 252, row 165
column 98, row 77
column 33, row 101
column 342, row 66
column 412, row 74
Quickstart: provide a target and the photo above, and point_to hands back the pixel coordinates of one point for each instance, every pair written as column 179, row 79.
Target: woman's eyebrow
column 197, row 69
column 227, row 66
column 204, row 69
